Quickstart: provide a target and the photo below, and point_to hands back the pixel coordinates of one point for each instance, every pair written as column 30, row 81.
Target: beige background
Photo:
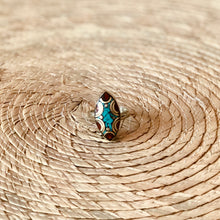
column 159, row 59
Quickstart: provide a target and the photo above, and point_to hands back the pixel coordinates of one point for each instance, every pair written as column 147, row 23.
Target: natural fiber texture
column 159, row 59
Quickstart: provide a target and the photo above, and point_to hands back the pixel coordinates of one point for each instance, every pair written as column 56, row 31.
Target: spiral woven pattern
column 159, row 59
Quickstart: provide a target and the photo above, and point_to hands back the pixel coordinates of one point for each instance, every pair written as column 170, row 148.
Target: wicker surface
column 160, row 60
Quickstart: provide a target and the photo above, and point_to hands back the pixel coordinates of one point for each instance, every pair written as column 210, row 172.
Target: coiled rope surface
column 159, row 59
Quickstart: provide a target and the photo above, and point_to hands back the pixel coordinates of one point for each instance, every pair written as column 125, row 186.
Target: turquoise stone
column 107, row 116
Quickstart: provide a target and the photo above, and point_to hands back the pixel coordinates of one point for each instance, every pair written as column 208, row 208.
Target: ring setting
column 107, row 116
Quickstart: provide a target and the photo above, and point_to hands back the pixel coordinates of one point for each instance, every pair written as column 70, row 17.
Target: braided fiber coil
column 159, row 59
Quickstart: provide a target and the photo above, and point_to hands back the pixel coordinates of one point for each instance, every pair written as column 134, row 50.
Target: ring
column 107, row 116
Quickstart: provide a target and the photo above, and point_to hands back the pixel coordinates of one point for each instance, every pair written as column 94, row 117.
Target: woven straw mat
column 159, row 59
